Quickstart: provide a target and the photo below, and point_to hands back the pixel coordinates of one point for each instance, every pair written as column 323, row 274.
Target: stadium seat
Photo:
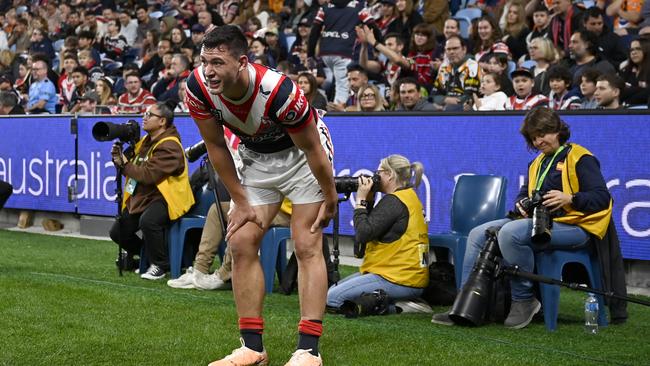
column 465, row 24
column 477, row 199
column 273, row 254
column 469, row 13
column 550, row 264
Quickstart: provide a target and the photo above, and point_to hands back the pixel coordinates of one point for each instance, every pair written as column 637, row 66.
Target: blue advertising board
column 37, row 156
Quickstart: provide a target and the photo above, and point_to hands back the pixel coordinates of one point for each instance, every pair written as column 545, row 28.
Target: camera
column 542, row 218
column 196, row 151
column 128, row 132
column 347, row 183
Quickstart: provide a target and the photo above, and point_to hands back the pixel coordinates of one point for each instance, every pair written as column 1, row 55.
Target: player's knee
column 243, row 244
column 307, row 251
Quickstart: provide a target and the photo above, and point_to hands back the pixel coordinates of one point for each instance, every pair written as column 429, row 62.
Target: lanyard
column 540, row 178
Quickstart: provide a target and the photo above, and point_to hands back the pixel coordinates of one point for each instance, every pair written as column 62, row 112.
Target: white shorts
column 268, row 178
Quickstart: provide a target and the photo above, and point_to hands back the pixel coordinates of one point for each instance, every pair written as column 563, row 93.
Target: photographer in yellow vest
column 156, row 190
column 395, row 233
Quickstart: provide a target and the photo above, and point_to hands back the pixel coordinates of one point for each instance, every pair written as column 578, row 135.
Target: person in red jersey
column 286, row 152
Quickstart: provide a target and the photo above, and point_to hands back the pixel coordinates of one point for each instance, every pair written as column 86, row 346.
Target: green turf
column 62, row 303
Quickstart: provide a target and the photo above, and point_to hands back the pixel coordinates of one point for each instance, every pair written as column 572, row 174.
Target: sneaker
column 414, row 307
column 243, row 356
column 153, row 273
column 184, row 281
column 204, row 281
column 521, row 313
column 302, row 357
column 442, row 318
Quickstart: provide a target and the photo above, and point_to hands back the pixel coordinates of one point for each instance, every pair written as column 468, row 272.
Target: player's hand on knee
column 239, row 216
column 325, row 214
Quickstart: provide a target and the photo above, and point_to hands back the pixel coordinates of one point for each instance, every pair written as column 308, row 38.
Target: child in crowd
column 559, row 80
column 588, row 88
column 524, row 98
column 493, row 98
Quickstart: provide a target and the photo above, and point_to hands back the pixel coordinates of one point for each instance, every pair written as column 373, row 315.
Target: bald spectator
column 42, row 93
column 204, row 18
column 608, row 91
column 135, row 99
column 458, row 78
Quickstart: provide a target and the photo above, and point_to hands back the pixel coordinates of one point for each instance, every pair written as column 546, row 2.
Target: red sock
column 310, row 331
column 251, row 330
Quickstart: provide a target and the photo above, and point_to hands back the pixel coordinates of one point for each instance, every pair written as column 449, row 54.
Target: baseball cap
column 91, row 96
column 198, row 28
column 304, row 22
column 389, row 2
column 522, row 71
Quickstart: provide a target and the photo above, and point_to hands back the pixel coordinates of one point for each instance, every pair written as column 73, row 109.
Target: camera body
column 348, row 184
column 128, row 132
column 542, row 218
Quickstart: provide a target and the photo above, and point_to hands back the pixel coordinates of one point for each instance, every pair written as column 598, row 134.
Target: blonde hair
column 549, row 52
column 403, row 170
column 379, row 99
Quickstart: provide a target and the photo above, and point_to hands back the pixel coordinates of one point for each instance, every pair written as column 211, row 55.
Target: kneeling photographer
column 157, row 189
column 563, row 202
column 396, row 254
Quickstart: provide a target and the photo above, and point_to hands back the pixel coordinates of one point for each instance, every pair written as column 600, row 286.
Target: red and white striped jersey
column 517, row 104
column 139, row 104
column 273, row 106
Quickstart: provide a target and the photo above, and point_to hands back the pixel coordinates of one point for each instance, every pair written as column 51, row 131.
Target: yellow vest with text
column 595, row 223
column 404, row 261
column 175, row 190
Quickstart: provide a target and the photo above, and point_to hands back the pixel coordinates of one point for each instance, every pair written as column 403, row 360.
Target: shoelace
column 299, row 354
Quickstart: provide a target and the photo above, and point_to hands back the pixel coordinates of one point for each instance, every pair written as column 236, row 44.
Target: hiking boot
column 184, row 281
column 442, row 318
column 204, row 281
column 521, row 313
column 302, row 357
column 153, row 273
column 243, row 356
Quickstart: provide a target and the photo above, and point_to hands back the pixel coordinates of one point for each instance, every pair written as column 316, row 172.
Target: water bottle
column 591, row 314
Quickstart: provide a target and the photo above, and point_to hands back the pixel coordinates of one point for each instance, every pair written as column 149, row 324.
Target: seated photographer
column 397, row 249
column 157, row 189
column 566, row 180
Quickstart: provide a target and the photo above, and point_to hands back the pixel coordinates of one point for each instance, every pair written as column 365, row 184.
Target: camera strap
column 541, row 177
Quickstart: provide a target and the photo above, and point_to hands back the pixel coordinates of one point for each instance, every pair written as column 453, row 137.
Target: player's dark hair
column 228, row 35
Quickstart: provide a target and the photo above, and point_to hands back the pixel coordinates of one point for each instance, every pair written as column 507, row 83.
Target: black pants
column 5, row 191
column 153, row 222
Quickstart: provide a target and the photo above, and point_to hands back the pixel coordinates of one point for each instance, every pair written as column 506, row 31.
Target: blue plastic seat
column 477, row 199
column 465, row 24
column 550, row 264
column 273, row 254
column 469, row 13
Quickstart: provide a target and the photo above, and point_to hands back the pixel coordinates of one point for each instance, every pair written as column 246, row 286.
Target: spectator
column 369, row 100
column 151, row 69
column 179, row 39
column 86, row 43
column 572, row 184
column 335, row 25
column 493, row 98
column 515, row 30
column 135, row 99
column 205, row 19
column 86, row 61
column 20, row 36
column 41, row 44
column 259, row 47
column 307, row 83
column 166, row 25
column 388, row 16
column 390, row 70
column 588, row 89
column 210, row 16
column 406, row 19
column 410, row 99
column 636, row 73
column 627, row 16
column 422, row 57
column 42, row 93
column 565, row 22
column 182, row 106
column 82, row 86
column 395, row 236
column 145, row 24
column 66, row 84
column 497, row 63
column 608, row 91
column 434, row 12
column 167, row 87
column 583, row 52
column 69, row 27
column 541, row 22
column 9, row 105
column 198, row 32
column 544, row 53
column 128, row 27
column 559, row 79
column 524, row 98
column 610, row 45
column 162, row 192
column 149, row 46
column 104, row 89
column 489, row 40
column 114, row 45
column 88, row 103
column 458, row 77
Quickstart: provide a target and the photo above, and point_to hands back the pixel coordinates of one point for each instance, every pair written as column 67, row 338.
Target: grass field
column 63, row 303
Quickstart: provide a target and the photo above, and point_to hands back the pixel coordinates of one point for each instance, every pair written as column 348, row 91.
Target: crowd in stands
column 121, row 56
